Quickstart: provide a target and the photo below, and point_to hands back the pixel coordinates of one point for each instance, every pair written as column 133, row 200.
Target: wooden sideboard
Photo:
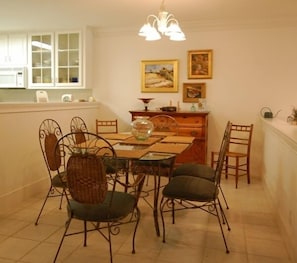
column 190, row 124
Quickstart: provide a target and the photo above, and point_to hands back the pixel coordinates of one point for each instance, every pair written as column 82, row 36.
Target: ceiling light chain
column 164, row 23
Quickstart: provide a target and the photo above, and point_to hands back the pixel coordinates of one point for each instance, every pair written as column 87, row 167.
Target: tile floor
column 195, row 238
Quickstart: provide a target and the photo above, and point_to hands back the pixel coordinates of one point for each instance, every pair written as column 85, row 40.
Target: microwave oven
column 13, row 78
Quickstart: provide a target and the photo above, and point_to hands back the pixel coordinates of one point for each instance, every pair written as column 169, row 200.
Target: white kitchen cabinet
column 55, row 60
column 41, row 59
column 13, row 49
column 68, row 59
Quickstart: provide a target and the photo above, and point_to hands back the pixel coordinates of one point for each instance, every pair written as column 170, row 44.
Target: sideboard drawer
column 190, row 120
column 195, row 132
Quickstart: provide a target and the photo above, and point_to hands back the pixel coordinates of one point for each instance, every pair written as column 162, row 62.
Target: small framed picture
column 200, row 64
column 159, row 75
column 192, row 92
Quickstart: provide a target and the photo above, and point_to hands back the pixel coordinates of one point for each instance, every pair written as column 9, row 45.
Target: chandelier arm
column 152, row 17
column 173, row 19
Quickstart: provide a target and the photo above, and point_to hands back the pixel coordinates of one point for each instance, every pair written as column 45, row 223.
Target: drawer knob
column 194, row 133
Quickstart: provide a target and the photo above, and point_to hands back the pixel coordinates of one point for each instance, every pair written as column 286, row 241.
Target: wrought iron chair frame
column 178, row 201
column 241, row 138
column 49, row 133
column 98, row 149
column 78, row 125
column 164, row 123
column 201, row 170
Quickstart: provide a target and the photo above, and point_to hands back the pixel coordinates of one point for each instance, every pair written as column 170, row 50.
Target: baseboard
column 286, row 236
column 10, row 202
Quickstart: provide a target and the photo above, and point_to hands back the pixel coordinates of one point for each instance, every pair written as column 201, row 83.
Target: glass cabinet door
column 68, row 59
column 42, row 60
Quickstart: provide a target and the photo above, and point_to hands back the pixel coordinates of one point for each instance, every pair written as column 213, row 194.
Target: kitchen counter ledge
column 285, row 130
column 22, row 107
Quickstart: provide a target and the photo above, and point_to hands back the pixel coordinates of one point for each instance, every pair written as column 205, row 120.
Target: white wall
column 252, row 68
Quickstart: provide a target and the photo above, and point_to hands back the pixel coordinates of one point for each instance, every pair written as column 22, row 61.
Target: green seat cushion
column 193, row 169
column 59, row 180
column 191, row 188
column 122, row 205
column 111, row 165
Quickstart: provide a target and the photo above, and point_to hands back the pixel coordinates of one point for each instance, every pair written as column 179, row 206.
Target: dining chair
column 100, row 206
column 201, row 170
column 49, row 134
column 187, row 192
column 77, row 126
column 106, row 126
column 164, row 123
column 237, row 160
column 111, row 126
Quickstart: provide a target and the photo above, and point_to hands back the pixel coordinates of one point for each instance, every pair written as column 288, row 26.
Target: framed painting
column 192, row 92
column 159, row 76
column 200, row 64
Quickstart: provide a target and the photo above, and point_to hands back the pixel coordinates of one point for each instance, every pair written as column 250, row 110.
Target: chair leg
column 109, row 241
column 162, row 204
column 43, row 205
column 220, row 223
column 224, row 218
column 236, row 172
column 45, row 200
column 61, row 199
column 225, row 200
column 173, row 211
column 62, row 240
column 85, row 233
column 226, row 167
column 138, row 214
column 212, row 161
column 248, row 170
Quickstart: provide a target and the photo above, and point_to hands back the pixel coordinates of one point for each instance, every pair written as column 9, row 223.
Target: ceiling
column 111, row 14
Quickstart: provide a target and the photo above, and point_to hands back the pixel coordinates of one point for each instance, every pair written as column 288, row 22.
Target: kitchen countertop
column 15, row 107
column 284, row 129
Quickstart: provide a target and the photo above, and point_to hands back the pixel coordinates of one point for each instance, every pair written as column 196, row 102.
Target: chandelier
column 164, row 23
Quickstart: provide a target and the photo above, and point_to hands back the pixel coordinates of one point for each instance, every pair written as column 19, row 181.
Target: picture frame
column 192, row 92
column 200, row 64
column 159, row 75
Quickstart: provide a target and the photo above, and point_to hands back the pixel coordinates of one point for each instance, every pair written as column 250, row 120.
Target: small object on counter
column 292, row 119
column 193, row 107
column 146, row 102
column 67, row 98
column 91, row 99
column 41, row 96
column 168, row 108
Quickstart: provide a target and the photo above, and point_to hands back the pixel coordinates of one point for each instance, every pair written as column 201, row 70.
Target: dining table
column 159, row 148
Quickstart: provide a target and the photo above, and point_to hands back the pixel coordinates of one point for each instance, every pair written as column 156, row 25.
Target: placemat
column 178, row 139
column 149, row 141
column 163, row 134
column 116, row 136
column 134, row 154
column 176, row 148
